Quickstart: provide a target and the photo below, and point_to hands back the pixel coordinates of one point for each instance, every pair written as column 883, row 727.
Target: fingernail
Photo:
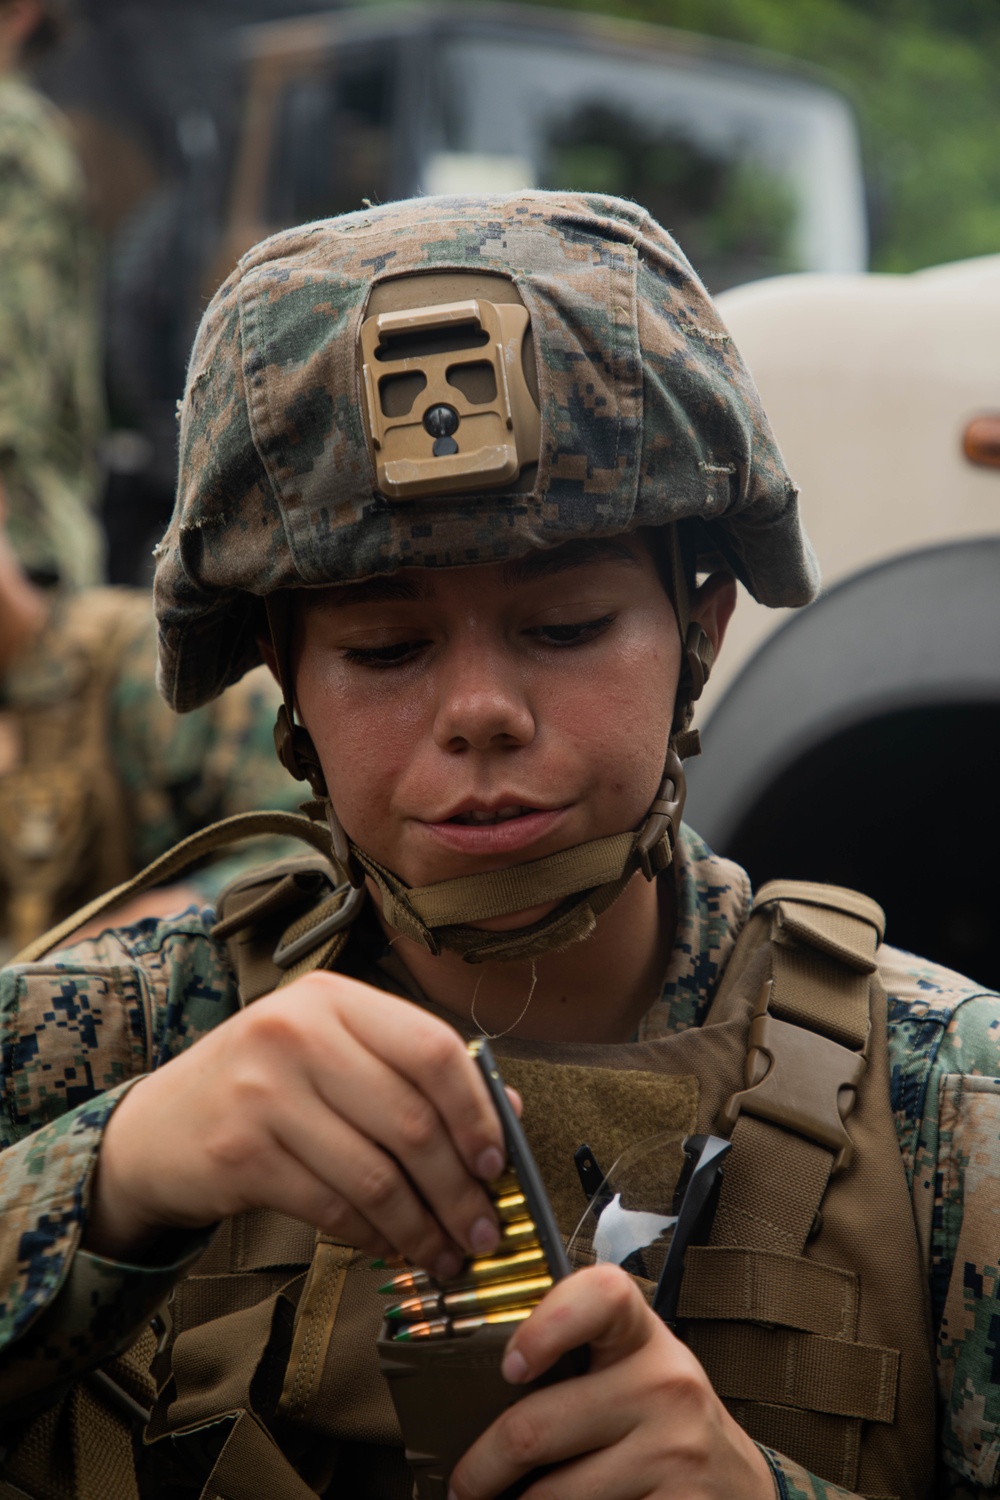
column 484, row 1236
column 514, row 1367
column 447, row 1265
column 489, row 1163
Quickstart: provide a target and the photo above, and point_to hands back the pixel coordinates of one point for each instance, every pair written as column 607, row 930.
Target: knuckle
column 271, row 1026
column 236, row 1152
column 416, row 1122
column 378, row 1185
column 614, row 1287
column 438, row 1050
column 253, row 1091
column 336, row 1217
column 521, row 1436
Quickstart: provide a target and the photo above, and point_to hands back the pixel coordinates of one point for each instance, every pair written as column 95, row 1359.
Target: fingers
column 384, row 1107
column 643, row 1421
column 433, row 1057
column 371, row 1196
column 599, row 1307
column 385, row 1143
column 333, row 1102
column 551, row 1426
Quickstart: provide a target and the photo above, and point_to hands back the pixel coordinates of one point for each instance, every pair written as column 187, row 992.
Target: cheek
column 620, row 717
column 364, row 738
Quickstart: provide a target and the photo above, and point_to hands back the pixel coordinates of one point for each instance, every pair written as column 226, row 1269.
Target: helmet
column 449, row 381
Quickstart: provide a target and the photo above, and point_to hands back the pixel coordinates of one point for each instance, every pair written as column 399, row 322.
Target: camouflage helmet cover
column 648, row 416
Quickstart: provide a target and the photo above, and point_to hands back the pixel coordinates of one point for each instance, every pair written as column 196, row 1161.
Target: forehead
column 632, row 551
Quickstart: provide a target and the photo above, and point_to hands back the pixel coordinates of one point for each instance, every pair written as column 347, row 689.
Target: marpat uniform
column 848, row 1288
column 98, row 776
column 51, row 391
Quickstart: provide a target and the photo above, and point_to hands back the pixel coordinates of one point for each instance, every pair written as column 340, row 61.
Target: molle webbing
column 811, row 1321
column 808, row 1308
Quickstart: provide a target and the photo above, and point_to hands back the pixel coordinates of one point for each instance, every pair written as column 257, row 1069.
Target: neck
column 594, row 991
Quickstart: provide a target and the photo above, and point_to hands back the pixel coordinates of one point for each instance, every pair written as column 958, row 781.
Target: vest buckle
column 809, row 1084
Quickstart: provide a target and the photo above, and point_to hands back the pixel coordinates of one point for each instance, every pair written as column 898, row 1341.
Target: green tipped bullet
column 440, row 1328
column 497, row 1294
column 407, row 1281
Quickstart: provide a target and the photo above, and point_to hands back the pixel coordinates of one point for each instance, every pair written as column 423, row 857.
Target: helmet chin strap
column 584, row 880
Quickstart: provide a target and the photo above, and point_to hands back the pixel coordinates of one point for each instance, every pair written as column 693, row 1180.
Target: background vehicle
column 856, row 741
column 201, row 140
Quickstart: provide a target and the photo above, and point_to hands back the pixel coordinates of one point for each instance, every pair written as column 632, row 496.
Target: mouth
column 504, row 829
column 487, row 818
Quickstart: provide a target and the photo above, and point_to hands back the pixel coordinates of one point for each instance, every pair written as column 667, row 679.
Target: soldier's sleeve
column 946, row 1094
column 183, row 771
column 944, row 1045
column 77, row 1031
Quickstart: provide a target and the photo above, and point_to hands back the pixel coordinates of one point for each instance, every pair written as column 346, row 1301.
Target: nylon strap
column 251, row 1463
column 832, row 1443
column 196, row 846
column 807, row 1043
column 747, row 1362
column 496, row 893
column 600, row 869
column 763, row 1286
column 314, row 1322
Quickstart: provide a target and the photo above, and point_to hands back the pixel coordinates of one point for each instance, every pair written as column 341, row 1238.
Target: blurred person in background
column 51, row 402
column 97, row 776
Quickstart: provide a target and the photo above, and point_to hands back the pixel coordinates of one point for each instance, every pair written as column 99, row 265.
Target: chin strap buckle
column 658, row 835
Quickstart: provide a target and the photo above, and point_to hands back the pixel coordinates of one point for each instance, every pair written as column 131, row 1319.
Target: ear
column 712, row 606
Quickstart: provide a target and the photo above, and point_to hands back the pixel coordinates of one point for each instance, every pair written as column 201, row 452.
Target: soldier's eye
column 576, row 634
column 382, row 656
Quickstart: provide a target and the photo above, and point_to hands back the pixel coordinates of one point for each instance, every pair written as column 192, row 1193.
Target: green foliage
column 924, row 76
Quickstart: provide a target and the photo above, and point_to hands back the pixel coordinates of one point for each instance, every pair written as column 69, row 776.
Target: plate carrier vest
column 808, row 1308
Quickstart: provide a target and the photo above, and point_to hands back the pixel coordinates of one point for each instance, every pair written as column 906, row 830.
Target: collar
column 713, row 904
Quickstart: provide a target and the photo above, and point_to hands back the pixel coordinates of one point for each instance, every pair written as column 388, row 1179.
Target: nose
column 482, row 703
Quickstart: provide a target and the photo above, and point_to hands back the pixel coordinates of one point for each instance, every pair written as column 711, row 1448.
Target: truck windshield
column 757, row 171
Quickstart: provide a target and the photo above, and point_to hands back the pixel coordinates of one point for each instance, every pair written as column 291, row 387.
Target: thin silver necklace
column 494, row 1036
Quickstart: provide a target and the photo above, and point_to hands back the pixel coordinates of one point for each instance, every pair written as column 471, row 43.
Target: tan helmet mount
column 447, row 404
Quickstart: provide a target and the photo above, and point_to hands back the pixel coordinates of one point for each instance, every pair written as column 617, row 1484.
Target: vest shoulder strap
column 206, row 841
column 806, row 1306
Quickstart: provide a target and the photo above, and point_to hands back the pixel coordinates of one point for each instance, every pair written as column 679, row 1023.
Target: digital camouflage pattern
column 133, row 999
column 647, row 416
column 51, row 402
column 91, row 755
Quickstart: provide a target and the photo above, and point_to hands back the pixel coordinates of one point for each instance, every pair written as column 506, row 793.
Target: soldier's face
column 472, row 718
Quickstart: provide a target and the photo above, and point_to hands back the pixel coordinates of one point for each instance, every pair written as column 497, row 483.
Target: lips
column 508, row 827
column 485, row 817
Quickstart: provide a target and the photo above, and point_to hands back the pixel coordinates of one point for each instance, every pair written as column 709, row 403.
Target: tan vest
column 64, row 830
column 809, row 1308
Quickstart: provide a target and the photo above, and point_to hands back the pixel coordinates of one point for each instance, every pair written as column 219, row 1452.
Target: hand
column 643, row 1424
column 330, row 1101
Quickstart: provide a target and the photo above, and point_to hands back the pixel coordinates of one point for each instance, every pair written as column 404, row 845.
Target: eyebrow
column 520, row 570
column 578, row 554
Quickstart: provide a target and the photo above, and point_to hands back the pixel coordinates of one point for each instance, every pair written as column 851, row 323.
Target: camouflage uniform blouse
column 51, row 401
column 129, row 1001
column 98, row 776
